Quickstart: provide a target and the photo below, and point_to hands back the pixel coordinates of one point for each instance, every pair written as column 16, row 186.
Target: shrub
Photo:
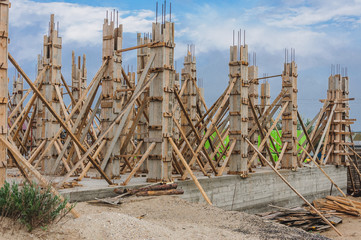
column 32, row 205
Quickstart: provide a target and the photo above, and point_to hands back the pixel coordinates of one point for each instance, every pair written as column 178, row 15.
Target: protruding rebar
column 156, row 13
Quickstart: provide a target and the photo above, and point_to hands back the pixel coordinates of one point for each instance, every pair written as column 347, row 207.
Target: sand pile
column 164, row 217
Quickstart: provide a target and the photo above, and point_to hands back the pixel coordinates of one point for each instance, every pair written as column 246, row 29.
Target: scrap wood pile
column 301, row 218
column 338, row 204
column 153, row 190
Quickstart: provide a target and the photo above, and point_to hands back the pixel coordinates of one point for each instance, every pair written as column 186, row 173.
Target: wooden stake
column 189, row 171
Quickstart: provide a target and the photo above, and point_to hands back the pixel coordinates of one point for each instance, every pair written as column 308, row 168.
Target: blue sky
column 322, row 32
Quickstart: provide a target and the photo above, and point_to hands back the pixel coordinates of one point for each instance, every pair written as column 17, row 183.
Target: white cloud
column 78, row 23
column 270, row 29
column 317, row 13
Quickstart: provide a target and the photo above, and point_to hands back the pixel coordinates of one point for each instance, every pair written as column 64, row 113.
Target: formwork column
column 336, row 94
column 253, row 95
column 17, row 94
column 265, row 96
column 161, row 102
column 238, row 110
column 193, row 90
column 187, row 100
column 265, row 103
column 78, row 80
column 289, row 116
column 189, row 97
column 177, row 112
column 345, row 107
column 113, row 167
column 52, row 60
column 39, row 126
column 142, row 59
column 110, row 102
column 4, row 28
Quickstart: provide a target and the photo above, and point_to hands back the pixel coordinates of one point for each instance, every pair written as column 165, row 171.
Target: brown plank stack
column 338, row 204
column 301, row 218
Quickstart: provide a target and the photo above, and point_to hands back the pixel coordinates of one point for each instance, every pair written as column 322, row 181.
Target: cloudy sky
column 322, row 32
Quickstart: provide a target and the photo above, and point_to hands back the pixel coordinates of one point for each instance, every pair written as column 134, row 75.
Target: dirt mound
column 163, row 217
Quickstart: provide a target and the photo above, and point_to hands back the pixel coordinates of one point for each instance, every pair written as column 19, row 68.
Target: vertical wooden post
column 177, row 109
column 161, row 102
column 238, row 110
column 253, row 95
column 189, row 94
column 17, row 94
column 189, row 97
column 78, row 80
column 112, row 81
column 337, row 94
column 52, row 60
column 289, row 116
column 346, row 123
column 265, row 104
column 39, row 126
column 4, row 29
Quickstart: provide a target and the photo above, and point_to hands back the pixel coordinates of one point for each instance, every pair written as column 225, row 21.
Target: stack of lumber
column 154, row 190
column 301, row 218
column 338, row 204
column 70, row 185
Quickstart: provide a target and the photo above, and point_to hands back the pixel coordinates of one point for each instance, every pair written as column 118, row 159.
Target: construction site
column 148, row 132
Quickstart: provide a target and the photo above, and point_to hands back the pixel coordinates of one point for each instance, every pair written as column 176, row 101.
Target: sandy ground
column 164, row 217
column 350, row 227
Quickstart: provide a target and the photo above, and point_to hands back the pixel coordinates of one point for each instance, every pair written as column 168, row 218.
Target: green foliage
column 32, row 205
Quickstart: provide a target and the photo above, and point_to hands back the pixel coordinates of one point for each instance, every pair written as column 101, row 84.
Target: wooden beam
column 306, row 133
column 213, row 122
column 225, row 162
column 324, row 133
column 137, row 166
column 102, row 136
column 267, row 135
column 188, row 169
column 281, row 155
column 329, row 178
column 293, row 189
column 58, row 118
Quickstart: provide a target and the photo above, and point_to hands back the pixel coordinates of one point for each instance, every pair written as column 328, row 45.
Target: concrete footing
column 252, row 194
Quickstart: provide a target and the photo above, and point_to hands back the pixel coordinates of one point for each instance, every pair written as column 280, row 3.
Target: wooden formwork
column 147, row 122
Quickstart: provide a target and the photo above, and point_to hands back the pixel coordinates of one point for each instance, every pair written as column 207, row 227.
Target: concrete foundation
column 231, row 192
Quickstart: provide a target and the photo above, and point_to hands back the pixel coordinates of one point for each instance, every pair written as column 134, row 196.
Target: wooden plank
column 141, row 161
column 306, row 133
column 58, row 118
column 225, row 162
column 267, row 135
column 324, row 133
column 4, row 27
column 102, row 135
column 188, row 169
column 293, row 189
column 213, row 122
column 189, row 145
column 281, row 155
column 329, row 178
column 121, row 124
